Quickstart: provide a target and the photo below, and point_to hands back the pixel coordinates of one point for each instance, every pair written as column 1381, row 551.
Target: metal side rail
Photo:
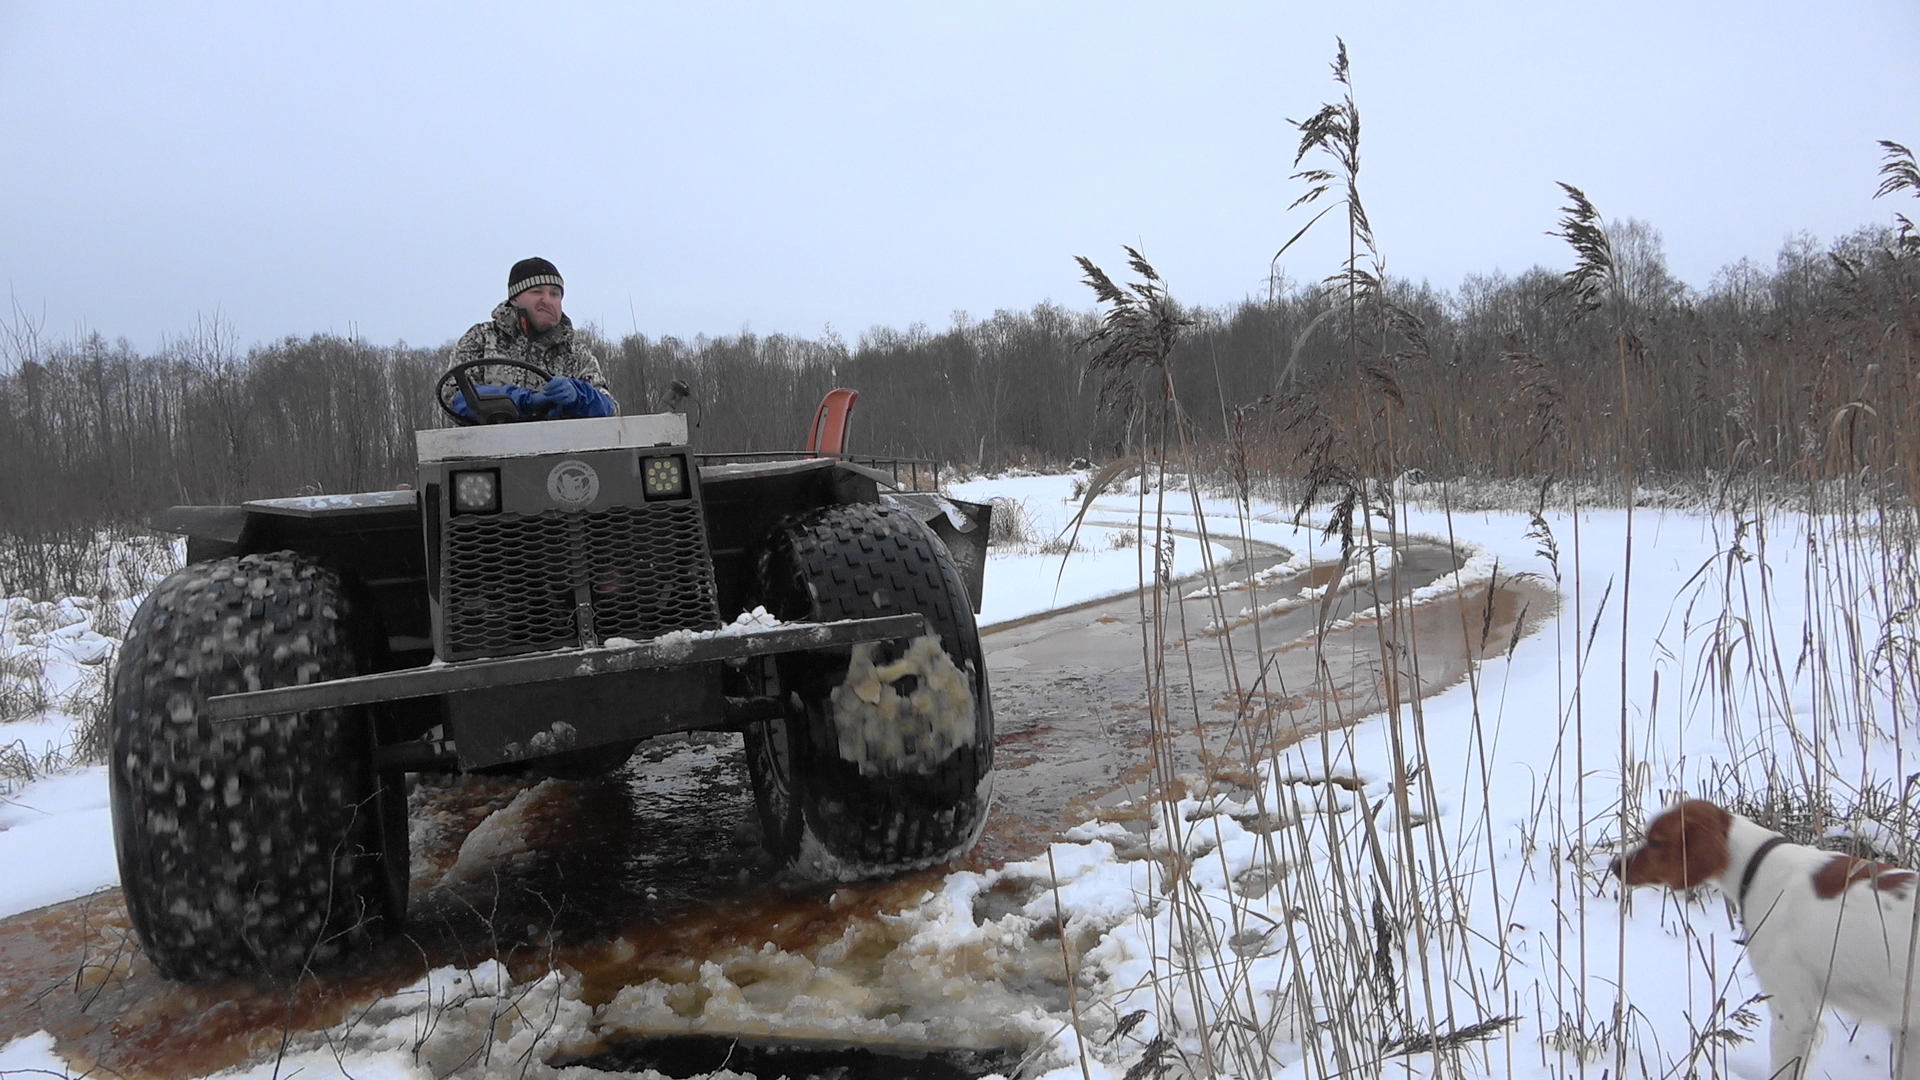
column 668, row 651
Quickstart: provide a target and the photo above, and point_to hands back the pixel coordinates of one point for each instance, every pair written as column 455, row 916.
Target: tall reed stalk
column 1386, row 954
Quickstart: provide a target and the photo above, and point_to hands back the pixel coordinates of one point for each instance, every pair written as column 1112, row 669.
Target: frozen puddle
column 928, row 975
column 932, row 976
column 588, row 928
column 966, row 978
column 715, row 948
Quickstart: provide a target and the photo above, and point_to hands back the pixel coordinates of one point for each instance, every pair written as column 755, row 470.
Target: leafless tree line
column 1811, row 359
column 1804, row 369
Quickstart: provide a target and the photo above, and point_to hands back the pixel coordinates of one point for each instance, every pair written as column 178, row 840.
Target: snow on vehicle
column 546, row 596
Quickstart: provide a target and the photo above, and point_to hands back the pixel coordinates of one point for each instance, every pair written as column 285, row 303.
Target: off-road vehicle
column 543, row 598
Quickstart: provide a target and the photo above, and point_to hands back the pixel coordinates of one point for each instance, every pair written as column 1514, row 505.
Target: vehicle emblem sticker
column 573, row 483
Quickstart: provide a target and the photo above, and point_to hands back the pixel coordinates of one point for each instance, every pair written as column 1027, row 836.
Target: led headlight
column 476, row 492
column 664, row 477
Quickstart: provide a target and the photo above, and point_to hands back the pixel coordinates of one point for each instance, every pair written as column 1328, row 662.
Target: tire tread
column 253, row 846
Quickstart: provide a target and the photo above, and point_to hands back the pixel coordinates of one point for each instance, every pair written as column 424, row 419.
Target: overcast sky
column 304, row 168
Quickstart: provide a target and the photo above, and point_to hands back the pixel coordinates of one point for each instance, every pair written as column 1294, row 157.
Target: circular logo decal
column 573, row 483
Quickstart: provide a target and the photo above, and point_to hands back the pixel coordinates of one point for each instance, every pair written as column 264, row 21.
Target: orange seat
column 828, row 435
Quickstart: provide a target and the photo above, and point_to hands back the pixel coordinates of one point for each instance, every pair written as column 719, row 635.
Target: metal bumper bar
column 670, row 651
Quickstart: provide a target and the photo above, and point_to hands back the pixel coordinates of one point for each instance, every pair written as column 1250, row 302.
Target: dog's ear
column 1703, row 840
column 1657, row 861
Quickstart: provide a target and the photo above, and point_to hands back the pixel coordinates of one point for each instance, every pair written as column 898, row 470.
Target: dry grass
column 1011, row 526
column 1382, row 933
column 103, row 563
column 109, row 570
column 90, row 704
column 1386, row 956
column 23, row 685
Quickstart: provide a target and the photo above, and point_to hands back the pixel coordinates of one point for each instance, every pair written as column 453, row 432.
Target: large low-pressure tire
column 263, row 845
column 883, row 762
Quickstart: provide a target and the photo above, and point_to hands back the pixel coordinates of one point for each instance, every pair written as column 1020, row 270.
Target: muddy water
column 650, row 889
column 1071, row 688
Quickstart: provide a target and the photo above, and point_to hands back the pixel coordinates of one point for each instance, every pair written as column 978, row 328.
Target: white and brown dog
column 1823, row 929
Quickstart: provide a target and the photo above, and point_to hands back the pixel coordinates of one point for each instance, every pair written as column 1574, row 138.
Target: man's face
column 542, row 305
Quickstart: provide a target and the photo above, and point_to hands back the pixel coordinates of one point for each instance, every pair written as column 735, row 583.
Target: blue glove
column 572, row 398
column 560, row 392
column 523, row 399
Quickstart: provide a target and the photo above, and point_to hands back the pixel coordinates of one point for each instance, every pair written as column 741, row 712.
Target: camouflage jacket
column 557, row 351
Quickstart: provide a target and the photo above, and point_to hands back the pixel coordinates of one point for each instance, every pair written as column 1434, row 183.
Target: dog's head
column 1685, row 845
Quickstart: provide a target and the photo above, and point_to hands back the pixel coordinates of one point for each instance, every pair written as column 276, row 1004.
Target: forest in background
column 1769, row 367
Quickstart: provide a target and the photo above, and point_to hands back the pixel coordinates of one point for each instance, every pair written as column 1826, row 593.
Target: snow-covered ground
column 1412, row 874
column 56, row 841
column 1107, row 556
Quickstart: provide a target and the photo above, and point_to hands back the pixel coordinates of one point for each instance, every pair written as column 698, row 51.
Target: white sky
column 708, row 167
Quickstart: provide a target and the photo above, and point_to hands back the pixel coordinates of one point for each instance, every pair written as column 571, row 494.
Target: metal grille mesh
column 509, row 581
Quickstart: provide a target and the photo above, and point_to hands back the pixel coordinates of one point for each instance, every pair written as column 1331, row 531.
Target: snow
column 745, row 622
column 1529, row 833
column 1750, row 652
column 1024, row 581
column 500, row 838
column 1520, row 790
column 453, row 1021
column 31, row 1055
column 59, row 827
column 56, row 835
column 322, row 503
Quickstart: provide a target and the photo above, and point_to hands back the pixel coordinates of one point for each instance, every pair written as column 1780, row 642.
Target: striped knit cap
column 528, row 273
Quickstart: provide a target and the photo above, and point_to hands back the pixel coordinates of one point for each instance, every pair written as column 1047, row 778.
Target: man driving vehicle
column 530, row 328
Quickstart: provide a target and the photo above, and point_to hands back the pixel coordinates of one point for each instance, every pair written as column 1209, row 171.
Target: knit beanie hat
column 530, row 272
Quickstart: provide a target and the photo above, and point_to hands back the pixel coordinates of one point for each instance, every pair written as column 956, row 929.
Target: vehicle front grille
column 510, row 583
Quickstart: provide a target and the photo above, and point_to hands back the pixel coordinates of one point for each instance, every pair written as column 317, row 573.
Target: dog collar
column 1753, row 866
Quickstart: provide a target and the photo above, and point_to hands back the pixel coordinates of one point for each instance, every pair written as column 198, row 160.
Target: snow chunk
column 32, row 1055
column 501, row 838
column 679, row 641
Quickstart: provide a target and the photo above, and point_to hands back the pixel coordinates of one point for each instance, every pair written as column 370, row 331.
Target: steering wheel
column 486, row 408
